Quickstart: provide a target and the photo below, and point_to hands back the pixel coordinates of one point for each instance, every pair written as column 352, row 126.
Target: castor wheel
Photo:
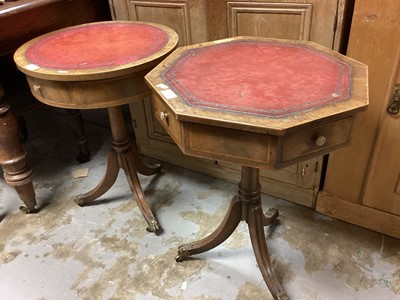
column 153, row 227
column 26, row 210
column 79, row 200
column 178, row 258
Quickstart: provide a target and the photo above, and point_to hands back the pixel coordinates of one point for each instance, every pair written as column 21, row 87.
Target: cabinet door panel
column 261, row 19
column 382, row 188
column 187, row 18
column 362, row 181
column 173, row 15
column 315, row 20
column 383, row 184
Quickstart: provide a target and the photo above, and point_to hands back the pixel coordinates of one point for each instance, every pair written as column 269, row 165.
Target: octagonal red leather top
column 96, row 45
column 272, row 79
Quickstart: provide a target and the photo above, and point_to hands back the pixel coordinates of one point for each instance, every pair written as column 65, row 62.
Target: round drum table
column 100, row 65
column 261, row 103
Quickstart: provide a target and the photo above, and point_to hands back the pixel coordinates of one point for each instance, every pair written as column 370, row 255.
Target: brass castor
column 26, row 210
column 79, row 200
column 153, row 227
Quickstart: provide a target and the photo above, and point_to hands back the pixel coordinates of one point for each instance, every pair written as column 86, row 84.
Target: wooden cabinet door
column 296, row 20
column 382, row 189
column 316, row 20
column 362, row 181
column 254, row 18
column 186, row 17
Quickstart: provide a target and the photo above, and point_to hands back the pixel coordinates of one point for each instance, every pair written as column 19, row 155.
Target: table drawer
column 317, row 140
column 167, row 119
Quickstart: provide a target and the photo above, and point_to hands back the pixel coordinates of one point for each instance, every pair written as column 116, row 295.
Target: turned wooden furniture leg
column 76, row 122
column 246, row 206
column 22, row 129
column 125, row 156
column 17, row 172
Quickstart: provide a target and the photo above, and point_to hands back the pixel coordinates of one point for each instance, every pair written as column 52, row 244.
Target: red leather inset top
column 263, row 78
column 97, row 45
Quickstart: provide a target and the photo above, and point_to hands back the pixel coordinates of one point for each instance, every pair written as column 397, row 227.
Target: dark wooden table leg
column 123, row 155
column 76, row 122
column 22, row 129
column 246, row 206
column 17, row 172
column 250, row 194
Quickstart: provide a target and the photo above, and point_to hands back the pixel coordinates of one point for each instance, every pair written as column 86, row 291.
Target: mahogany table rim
column 98, row 72
column 255, row 122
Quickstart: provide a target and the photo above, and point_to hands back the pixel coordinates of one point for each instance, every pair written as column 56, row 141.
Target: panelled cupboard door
column 314, row 20
column 187, row 18
column 198, row 21
column 382, row 189
column 362, row 181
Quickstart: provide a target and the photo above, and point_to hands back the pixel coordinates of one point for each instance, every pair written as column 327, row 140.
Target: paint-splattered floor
column 104, row 252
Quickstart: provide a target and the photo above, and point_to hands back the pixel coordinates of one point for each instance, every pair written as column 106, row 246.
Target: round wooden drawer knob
column 320, row 141
column 36, row 88
column 163, row 116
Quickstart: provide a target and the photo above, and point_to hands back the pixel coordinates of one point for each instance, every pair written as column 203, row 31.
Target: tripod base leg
column 134, row 184
column 224, row 230
column 246, row 206
column 105, row 184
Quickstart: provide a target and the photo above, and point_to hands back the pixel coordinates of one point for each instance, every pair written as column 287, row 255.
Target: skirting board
column 355, row 213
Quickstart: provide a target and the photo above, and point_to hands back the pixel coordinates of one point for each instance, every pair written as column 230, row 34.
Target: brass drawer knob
column 320, row 141
column 36, row 88
column 163, row 116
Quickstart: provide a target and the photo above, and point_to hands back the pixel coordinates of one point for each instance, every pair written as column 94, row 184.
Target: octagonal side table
column 261, row 103
column 100, row 65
